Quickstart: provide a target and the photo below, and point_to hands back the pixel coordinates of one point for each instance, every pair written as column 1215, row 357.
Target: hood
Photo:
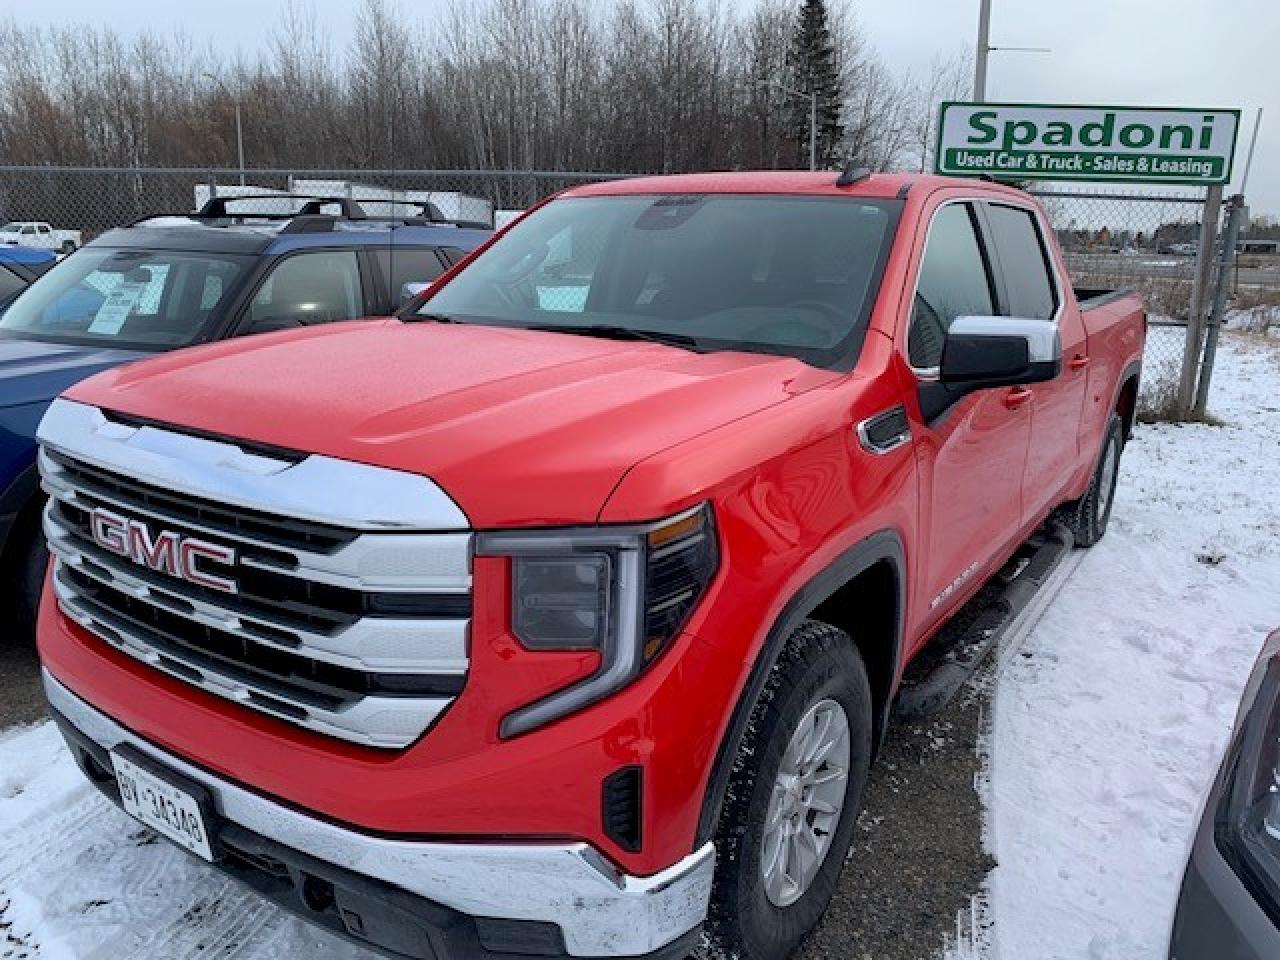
column 520, row 427
column 32, row 371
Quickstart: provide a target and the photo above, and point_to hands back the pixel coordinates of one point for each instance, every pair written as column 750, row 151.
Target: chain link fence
column 1114, row 238
column 94, row 199
column 1145, row 240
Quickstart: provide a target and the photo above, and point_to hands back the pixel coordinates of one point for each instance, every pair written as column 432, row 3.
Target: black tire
column 68, row 247
column 818, row 662
column 24, row 571
column 1087, row 517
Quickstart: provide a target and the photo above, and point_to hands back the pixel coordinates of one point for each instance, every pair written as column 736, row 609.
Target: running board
column 951, row 658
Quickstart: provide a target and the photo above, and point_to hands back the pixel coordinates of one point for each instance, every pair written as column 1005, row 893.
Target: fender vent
column 622, row 809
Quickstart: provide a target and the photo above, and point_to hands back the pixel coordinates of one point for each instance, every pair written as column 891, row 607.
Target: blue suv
column 169, row 282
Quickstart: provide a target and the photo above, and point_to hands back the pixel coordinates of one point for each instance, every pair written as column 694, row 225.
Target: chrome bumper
column 601, row 911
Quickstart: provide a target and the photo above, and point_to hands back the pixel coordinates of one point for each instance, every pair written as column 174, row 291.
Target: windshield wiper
column 430, row 318
column 611, row 332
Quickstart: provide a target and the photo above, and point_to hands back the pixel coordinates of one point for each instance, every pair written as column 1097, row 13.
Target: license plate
column 164, row 802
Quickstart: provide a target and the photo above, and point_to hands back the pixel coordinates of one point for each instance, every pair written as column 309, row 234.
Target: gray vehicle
column 1229, row 908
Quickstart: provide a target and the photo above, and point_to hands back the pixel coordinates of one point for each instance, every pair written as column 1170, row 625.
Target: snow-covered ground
column 1108, row 721
column 1110, row 718
column 79, row 880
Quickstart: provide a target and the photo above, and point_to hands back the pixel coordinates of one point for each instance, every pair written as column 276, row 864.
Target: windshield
column 778, row 274
column 132, row 299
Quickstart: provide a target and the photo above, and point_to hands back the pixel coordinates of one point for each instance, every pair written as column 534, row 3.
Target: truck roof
column 801, row 182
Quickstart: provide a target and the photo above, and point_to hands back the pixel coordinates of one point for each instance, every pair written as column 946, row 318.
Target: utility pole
column 812, row 97
column 984, row 48
column 240, row 141
column 239, row 126
column 813, row 129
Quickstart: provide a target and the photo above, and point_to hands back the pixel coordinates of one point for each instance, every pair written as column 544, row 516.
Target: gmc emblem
column 168, row 552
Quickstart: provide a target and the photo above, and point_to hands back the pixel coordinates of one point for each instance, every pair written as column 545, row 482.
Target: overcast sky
column 1197, row 53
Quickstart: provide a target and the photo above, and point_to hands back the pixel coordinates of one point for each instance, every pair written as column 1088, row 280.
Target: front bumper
column 486, row 898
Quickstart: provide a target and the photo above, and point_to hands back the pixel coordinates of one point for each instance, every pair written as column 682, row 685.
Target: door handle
column 1078, row 362
column 1018, row 397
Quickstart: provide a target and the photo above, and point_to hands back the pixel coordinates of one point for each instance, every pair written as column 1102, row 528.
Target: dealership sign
column 1033, row 141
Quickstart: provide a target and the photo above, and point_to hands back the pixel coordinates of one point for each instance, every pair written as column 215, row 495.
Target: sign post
column 1027, row 141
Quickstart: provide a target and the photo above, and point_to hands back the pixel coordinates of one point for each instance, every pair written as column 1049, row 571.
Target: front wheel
column 68, row 247
column 793, row 798
column 1087, row 517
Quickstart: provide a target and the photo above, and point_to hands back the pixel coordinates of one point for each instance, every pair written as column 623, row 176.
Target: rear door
column 1032, row 288
column 971, row 454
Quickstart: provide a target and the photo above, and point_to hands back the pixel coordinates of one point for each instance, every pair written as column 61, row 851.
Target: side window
column 309, row 288
column 28, row 231
column 1023, row 261
column 953, row 282
column 10, row 285
column 403, row 265
column 43, row 229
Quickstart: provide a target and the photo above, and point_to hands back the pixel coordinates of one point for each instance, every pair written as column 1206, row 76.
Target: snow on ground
column 79, row 880
column 1110, row 719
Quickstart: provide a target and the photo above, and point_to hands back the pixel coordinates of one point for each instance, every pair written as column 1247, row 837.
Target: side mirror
column 982, row 352
column 410, row 291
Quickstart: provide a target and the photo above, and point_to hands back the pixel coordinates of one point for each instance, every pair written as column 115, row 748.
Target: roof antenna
column 852, row 174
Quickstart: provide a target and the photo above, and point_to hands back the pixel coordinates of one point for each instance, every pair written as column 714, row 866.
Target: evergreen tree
column 812, row 66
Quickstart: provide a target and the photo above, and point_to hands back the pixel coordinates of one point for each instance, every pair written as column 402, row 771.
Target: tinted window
column 953, row 282
column 145, row 299
column 407, row 265
column 309, row 288
column 10, row 285
column 1022, row 261
column 780, row 274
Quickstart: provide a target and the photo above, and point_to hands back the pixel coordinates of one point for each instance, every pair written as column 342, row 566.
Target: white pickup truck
column 36, row 233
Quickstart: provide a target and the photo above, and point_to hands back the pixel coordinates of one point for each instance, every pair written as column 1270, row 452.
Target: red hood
column 519, row 427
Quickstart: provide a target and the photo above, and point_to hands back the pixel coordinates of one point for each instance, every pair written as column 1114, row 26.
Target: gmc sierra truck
column 563, row 614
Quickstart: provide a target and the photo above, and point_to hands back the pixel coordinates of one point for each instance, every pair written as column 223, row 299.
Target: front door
column 971, row 455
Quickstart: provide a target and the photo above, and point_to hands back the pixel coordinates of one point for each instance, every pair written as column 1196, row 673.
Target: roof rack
column 215, row 208
column 311, row 218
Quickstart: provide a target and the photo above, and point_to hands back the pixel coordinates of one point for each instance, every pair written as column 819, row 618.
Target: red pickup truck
column 564, row 615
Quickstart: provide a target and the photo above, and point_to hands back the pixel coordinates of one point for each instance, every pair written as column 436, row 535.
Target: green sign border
column 1092, row 178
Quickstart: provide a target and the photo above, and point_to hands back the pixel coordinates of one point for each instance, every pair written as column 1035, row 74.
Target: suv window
column 401, row 265
column 309, row 288
column 954, row 282
column 1023, row 262
column 132, row 299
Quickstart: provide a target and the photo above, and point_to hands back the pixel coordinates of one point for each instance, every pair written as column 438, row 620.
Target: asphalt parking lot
column 20, row 698
column 917, row 858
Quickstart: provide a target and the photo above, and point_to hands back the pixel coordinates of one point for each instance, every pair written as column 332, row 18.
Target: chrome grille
column 346, row 621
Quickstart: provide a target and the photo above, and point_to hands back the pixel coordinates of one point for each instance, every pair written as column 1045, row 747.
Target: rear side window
column 1023, row 262
column 953, row 282
column 403, row 265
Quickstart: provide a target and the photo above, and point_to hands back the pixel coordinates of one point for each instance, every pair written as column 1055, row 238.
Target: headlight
column 623, row 591
column 1247, row 822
